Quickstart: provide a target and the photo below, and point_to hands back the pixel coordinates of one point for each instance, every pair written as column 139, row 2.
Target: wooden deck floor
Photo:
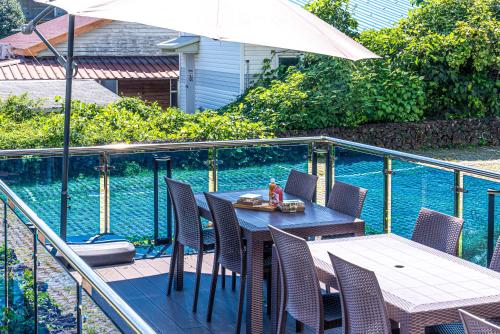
column 143, row 285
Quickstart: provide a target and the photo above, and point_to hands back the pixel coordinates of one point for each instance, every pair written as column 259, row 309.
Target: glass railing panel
column 132, row 189
column 57, row 294
column 366, row 171
column 252, row 167
column 415, row 186
column 38, row 182
column 21, row 292
column 475, row 231
column 95, row 320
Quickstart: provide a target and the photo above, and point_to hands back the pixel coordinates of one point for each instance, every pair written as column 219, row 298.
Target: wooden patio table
column 421, row 286
column 315, row 220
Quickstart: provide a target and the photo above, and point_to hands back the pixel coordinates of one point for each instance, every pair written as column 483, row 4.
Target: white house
column 213, row 73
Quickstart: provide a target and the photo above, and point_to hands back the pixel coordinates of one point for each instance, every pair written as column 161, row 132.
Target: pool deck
column 143, row 285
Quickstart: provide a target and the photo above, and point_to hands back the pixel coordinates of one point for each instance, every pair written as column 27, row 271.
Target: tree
column 11, row 17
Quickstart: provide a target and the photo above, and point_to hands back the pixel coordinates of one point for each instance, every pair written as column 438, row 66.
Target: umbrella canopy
column 274, row 23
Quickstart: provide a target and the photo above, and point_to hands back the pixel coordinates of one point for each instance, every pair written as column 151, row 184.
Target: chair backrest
column 229, row 245
column 363, row 306
column 300, row 284
column 495, row 260
column 476, row 325
column 188, row 228
column 347, row 199
column 301, row 184
column 437, row 230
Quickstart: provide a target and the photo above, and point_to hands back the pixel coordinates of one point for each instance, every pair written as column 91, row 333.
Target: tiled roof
column 375, row 14
column 88, row 91
column 54, row 30
column 97, row 68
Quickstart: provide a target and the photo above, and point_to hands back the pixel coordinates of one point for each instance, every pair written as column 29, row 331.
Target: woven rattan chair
column 230, row 251
column 457, row 328
column 476, row 325
column 363, row 306
column 495, row 259
column 301, row 185
column 437, row 230
column 300, row 291
column 347, row 199
column 188, row 231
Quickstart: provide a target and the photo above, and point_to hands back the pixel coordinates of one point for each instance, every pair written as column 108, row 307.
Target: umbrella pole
column 67, row 118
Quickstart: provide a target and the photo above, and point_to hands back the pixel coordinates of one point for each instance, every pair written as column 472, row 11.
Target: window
column 288, row 61
column 173, row 93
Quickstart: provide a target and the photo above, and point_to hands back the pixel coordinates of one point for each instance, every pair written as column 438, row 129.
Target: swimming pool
column 36, row 181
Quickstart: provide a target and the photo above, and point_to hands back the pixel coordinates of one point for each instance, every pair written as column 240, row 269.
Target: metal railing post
column 491, row 223
column 330, row 171
column 314, row 166
column 387, row 194
column 35, row 277
column 459, row 202
column 156, row 161
column 79, row 310
column 104, row 226
column 5, row 257
column 213, row 163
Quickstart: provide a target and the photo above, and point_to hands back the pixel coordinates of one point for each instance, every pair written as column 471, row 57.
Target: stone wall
column 412, row 136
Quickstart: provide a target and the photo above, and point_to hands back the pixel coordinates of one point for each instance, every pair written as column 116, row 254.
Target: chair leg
column 241, row 300
column 213, row 286
column 198, row 276
column 233, row 283
column 223, row 277
column 299, row 327
column 171, row 271
column 269, row 290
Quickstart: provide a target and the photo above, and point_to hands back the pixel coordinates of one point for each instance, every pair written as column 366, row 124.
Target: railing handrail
column 186, row 145
column 116, row 302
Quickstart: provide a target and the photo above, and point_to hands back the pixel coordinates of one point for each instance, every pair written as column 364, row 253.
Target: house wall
column 217, row 73
column 254, row 56
column 149, row 90
column 118, row 39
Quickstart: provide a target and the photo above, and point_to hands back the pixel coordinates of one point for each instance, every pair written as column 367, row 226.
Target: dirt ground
column 487, row 157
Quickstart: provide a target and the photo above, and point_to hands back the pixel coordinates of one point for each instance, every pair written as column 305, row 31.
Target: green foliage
column 327, row 92
column 11, row 17
column 453, row 45
column 24, row 125
column 324, row 91
column 335, row 12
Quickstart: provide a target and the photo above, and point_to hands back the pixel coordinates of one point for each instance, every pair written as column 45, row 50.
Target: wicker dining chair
column 188, row 231
column 476, row 325
column 457, row 328
column 301, row 295
column 301, row 185
column 230, row 251
column 437, row 230
column 347, row 199
column 363, row 306
column 495, row 259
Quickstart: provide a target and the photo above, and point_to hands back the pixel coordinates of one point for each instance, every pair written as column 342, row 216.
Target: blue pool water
column 131, row 187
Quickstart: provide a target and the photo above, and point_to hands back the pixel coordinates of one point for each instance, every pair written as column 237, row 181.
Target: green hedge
column 441, row 62
column 23, row 124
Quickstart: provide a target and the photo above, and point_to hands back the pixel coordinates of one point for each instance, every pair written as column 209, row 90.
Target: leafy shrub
column 23, row 125
column 11, row 17
column 453, row 45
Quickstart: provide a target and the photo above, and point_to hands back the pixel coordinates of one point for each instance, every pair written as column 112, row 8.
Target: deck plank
column 143, row 285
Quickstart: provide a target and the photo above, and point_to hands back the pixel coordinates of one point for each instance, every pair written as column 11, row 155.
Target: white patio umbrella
column 274, row 23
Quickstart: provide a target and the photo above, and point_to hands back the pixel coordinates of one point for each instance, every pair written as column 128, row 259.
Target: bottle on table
column 272, row 185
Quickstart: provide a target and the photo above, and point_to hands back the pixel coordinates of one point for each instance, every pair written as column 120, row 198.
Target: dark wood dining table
column 316, row 220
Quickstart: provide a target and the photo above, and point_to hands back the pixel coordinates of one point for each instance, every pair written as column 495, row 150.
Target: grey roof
column 89, row 91
column 374, row 14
